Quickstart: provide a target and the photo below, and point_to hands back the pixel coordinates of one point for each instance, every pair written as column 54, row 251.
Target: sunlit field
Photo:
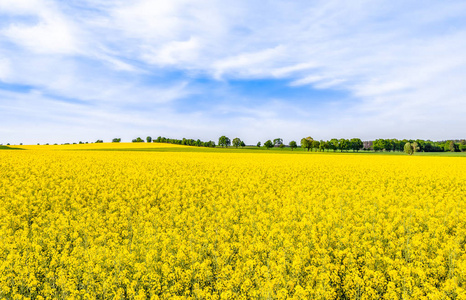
column 171, row 224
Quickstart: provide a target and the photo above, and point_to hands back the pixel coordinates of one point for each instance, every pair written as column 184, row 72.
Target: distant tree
column 421, row 144
column 242, row 144
column 149, row 139
column 379, row 144
column 388, row 145
column 356, row 144
column 221, row 141
column 315, row 145
column 463, row 146
column 138, row 140
column 281, row 146
column 415, row 147
column 224, row 141
column 115, row 140
column 278, row 142
column 293, row 145
column 398, row 145
column 209, row 144
column 307, row 143
column 236, row 142
column 428, row 147
column 326, row 145
column 411, row 148
column 321, row 145
column 333, row 144
column 268, row 144
column 99, row 141
column 343, row 144
column 258, row 144
column 408, row 148
column 451, row 146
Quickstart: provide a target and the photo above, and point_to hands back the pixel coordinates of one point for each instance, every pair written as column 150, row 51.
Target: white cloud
column 400, row 63
column 51, row 36
column 4, row 68
column 248, row 64
column 173, row 53
column 51, row 33
column 22, row 6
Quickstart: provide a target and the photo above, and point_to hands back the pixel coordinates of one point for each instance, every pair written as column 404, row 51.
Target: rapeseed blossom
column 181, row 225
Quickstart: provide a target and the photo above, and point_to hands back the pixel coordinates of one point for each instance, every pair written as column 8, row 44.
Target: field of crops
column 193, row 225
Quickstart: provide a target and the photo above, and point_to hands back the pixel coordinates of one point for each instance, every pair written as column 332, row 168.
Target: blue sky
column 86, row 70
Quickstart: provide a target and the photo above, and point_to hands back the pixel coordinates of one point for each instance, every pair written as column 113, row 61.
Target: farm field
column 163, row 147
column 164, row 223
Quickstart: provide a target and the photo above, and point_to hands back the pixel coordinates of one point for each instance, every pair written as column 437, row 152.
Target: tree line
column 419, row 145
column 354, row 144
column 184, row 141
column 388, row 145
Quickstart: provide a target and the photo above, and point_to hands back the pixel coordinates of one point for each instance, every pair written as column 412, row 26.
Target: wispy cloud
column 151, row 67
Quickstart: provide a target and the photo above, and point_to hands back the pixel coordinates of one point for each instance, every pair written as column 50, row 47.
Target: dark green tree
column 326, row 145
column 258, row 144
column 268, row 144
column 333, row 144
column 224, row 141
column 379, row 145
column 343, row 144
column 293, row 145
column 210, row 144
column 307, row 143
column 242, row 144
column 149, row 139
column 421, row 144
column 356, row 144
column 321, row 146
column 463, row 146
column 315, row 145
column 236, row 142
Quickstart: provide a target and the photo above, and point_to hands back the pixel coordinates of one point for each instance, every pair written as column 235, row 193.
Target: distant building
column 367, row 145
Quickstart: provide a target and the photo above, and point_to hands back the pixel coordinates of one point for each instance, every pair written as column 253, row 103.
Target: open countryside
column 224, row 150
column 173, row 223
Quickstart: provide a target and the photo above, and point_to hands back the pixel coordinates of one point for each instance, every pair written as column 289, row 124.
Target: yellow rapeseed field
column 217, row 225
